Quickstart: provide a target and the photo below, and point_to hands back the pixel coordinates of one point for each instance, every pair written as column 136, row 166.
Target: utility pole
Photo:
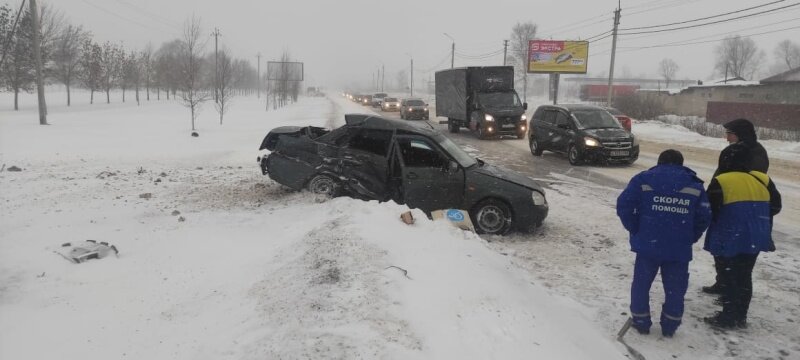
column 258, row 56
column 216, row 34
column 613, row 52
column 505, row 51
column 37, row 56
column 452, row 51
column 412, row 77
column 383, row 76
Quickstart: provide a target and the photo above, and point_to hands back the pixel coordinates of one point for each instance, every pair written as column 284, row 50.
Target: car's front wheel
column 536, row 150
column 574, row 155
column 324, row 185
column 491, row 216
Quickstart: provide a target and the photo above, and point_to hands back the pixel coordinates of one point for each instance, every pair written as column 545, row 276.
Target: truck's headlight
column 426, row 109
column 488, row 117
column 523, row 118
column 538, row 198
column 592, row 142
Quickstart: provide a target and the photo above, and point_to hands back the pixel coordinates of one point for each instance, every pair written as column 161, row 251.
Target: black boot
column 723, row 321
column 713, row 289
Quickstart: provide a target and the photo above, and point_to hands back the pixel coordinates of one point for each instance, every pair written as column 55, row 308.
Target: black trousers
column 736, row 276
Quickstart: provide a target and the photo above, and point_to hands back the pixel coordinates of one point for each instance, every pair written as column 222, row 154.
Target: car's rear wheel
column 324, row 185
column 492, row 216
column 452, row 126
column 536, row 150
column 574, row 155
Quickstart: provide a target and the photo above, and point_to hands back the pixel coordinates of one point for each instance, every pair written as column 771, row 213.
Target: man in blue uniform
column 666, row 210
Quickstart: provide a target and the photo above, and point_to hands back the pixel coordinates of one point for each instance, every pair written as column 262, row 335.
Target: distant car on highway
column 624, row 120
column 377, row 99
column 390, row 104
column 414, row 109
column 583, row 132
column 366, row 100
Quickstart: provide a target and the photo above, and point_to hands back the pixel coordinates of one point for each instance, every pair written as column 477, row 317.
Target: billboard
column 555, row 56
column 284, row 71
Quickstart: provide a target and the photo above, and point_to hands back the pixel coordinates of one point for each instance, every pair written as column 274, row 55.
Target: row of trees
column 181, row 68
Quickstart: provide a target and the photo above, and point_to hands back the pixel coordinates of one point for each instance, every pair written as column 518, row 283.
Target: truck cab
column 482, row 99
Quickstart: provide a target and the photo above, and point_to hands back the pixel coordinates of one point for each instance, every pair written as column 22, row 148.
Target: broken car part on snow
column 374, row 158
column 86, row 250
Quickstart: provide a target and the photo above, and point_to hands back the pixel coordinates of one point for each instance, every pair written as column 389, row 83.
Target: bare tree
column 224, row 83
column 111, row 59
column 667, row 69
column 521, row 35
column 67, row 55
column 18, row 68
column 193, row 95
column 738, row 57
column 788, row 52
column 168, row 67
column 131, row 73
column 91, row 67
column 146, row 58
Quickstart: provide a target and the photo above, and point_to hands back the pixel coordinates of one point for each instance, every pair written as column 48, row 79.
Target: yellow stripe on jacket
column 741, row 186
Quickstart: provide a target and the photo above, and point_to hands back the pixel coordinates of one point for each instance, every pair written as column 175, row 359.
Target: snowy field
column 219, row 262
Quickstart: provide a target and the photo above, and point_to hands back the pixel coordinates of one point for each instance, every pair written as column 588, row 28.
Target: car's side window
column 371, row 140
column 549, row 117
column 561, row 118
column 420, row 153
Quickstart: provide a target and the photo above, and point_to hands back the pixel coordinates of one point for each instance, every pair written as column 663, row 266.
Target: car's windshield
column 451, row 148
column 497, row 99
column 390, row 99
column 415, row 103
column 594, row 119
column 379, row 95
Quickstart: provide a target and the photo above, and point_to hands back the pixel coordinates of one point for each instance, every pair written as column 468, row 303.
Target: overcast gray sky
column 344, row 42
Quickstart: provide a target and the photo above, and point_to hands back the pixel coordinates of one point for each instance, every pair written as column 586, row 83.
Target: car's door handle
column 412, row 175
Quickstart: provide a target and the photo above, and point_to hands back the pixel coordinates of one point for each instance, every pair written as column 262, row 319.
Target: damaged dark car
column 374, row 158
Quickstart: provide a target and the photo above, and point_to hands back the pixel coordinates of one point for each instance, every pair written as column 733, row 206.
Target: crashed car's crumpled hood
column 508, row 175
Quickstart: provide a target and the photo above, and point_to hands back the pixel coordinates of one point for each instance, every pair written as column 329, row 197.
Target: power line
column 481, row 56
column 703, row 18
column 713, row 22
column 717, row 34
column 117, row 15
column 152, row 15
column 690, row 42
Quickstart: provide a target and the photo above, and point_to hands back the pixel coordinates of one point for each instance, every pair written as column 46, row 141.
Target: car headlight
column 538, row 198
column 635, row 141
column 523, row 117
column 426, row 109
column 488, row 117
column 592, row 142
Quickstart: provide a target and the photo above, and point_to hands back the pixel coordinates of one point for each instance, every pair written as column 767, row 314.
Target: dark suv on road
column 413, row 109
column 583, row 132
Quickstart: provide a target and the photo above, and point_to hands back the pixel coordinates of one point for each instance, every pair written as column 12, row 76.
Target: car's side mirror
column 525, row 106
column 452, row 167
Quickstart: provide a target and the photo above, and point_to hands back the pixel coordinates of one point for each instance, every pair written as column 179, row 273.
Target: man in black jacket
column 740, row 132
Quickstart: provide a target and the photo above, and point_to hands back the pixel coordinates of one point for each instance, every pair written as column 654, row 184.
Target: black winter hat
column 735, row 157
column 670, row 156
column 743, row 128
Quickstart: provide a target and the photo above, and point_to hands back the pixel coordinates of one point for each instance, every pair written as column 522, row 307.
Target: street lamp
column 452, row 51
column 412, row 74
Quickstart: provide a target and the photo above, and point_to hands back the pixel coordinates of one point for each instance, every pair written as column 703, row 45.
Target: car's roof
column 376, row 122
column 575, row 106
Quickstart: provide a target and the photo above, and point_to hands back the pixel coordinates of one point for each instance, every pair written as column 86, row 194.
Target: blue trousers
column 674, row 276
